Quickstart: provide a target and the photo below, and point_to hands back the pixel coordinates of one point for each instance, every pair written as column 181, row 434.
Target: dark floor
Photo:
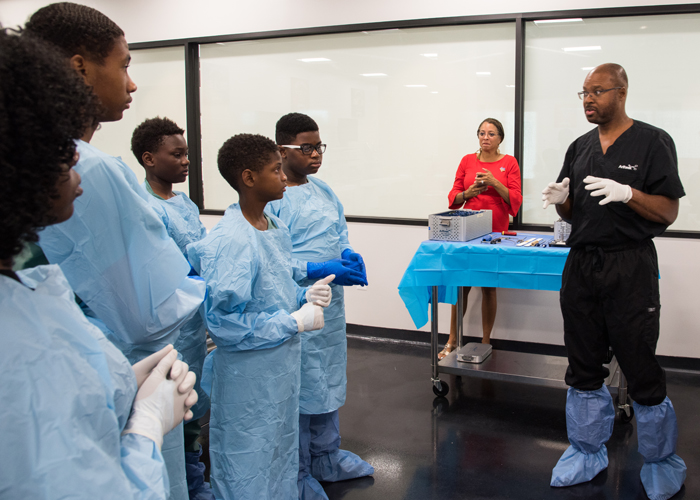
column 486, row 440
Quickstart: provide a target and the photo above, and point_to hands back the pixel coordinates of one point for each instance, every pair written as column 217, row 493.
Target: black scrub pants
column 611, row 298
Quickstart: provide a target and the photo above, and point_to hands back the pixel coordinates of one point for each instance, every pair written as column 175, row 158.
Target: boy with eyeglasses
column 320, row 244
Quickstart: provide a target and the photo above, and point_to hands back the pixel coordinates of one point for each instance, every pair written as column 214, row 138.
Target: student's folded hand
column 160, row 403
column 320, row 292
column 356, row 261
column 142, row 369
column 309, row 317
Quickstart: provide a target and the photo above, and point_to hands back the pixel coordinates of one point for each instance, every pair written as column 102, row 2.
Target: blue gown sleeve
column 62, row 424
column 299, row 271
column 143, row 466
column 301, row 295
column 230, row 288
column 342, row 227
column 118, row 256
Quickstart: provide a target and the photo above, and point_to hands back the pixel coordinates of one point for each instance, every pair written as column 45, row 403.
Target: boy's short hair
column 244, row 152
column 44, row 106
column 75, row 29
column 149, row 136
column 291, row 125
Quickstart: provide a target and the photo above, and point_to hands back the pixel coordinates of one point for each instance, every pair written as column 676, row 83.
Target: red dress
column 506, row 171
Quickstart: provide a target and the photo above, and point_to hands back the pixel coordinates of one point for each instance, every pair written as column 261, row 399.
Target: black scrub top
column 643, row 157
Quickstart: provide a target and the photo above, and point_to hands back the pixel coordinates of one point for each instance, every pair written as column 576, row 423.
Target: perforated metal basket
column 459, row 225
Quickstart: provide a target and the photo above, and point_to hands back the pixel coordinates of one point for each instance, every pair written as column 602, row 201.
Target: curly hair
column 149, row 136
column 75, row 29
column 289, row 126
column 44, row 106
column 244, row 152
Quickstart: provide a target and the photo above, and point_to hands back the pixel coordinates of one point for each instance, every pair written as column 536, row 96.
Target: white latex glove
column 555, row 193
column 613, row 191
column 159, row 405
column 320, row 292
column 180, row 367
column 309, row 317
column 143, row 368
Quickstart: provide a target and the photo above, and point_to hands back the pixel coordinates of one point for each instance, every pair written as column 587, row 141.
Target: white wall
column 387, row 249
column 167, row 19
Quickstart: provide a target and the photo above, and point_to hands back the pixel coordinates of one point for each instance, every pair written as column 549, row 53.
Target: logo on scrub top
column 629, row 167
column 503, row 169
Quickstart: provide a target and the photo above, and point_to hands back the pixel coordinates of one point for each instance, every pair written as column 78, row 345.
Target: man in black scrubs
column 619, row 187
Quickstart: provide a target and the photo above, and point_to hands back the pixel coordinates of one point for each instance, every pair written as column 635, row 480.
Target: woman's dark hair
column 150, row 134
column 75, row 29
column 495, row 123
column 44, row 106
column 244, row 152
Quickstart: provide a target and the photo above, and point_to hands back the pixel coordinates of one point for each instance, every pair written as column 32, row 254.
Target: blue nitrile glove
column 357, row 262
column 344, row 274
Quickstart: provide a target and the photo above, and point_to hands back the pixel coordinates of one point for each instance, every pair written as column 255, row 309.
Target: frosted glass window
column 159, row 75
column 663, row 92
column 397, row 108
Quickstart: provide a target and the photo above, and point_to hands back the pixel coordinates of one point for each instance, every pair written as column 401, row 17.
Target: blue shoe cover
column 197, row 488
column 657, row 430
column 576, row 467
column 339, row 465
column 662, row 480
column 590, row 417
column 663, row 472
column 310, row 489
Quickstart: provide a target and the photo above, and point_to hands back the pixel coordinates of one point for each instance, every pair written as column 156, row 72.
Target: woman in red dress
column 485, row 180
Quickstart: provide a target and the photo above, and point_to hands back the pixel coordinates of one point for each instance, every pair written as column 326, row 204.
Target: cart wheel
column 622, row 414
column 444, row 389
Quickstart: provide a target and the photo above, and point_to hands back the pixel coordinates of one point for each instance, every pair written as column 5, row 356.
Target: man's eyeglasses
column 308, row 149
column 596, row 93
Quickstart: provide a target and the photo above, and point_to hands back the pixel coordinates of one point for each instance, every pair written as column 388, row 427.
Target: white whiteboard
column 394, row 141
column 656, row 52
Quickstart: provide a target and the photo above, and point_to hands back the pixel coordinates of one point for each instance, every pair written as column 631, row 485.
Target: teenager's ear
column 147, row 159
column 248, row 178
column 283, row 152
column 79, row 64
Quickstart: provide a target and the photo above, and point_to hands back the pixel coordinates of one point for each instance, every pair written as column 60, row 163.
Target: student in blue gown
column 320, row 247
column 69, row 428
column 160, row 147
column 254, row 312
column 115, row 251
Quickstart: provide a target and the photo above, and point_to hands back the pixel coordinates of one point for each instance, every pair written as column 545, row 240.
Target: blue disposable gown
column 120, row 260
column 184, row 227
column 71, row 392
column 254, row 426
column 172, row 448
column 319, row 233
